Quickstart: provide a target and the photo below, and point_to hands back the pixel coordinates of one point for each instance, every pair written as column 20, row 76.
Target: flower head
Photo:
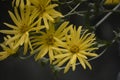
column 45, row 11
column 46, row 41
column 24, row 23
column 7, row 49
column 111, row 2
column 78, row 46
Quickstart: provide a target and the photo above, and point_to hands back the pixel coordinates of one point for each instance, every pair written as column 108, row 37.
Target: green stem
column 106, row 16
column 118, row 11
column 69, row 13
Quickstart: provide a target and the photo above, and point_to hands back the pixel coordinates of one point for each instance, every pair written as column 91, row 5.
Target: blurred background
column 106, row 67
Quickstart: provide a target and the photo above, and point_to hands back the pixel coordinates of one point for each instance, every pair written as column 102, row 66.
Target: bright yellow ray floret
column 77, row 47
column 24, row 23
column 45, row 11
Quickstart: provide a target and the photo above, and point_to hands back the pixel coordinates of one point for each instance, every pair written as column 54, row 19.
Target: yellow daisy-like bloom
column 111, row 2
column 7, row 49
column 78, row 46
column 45, row 11
column 46, row 41
column 24, row 23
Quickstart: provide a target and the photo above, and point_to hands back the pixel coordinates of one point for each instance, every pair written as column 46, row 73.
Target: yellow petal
column 51, row 55
column 22, row 4
column 30, row 45
column 20, row 41
column 3, row 55
column 81, row 55
column 39, row 48
column 67, row 67
column 34, row 2
column 42, row 53
column 88, row 40
column 63, row 61
column 60, row 49
column 73, row 59
column 12, row 39
column 91, row 49
column 84, row 34
column 37, row 43
column 73, row 62
column 11, row 26
column 61, row 27
column 58, row 40
column 17, row 14
column 4, row 47
column 88, row 64
column 22, row 12
column 82, row 62
column 49, row 17
column 13, row 3
column 13, row 18
column 46, row 2
column 9, row 31
column 89, row 54
column 74, row 66
column 28, row 2
column 57, row 61
column 62, row 55
column 46, row 23
column 78, row 32
column 55, row 13
column 84, row 37
column 51, row 6
column 17, row 2
column 26, row 45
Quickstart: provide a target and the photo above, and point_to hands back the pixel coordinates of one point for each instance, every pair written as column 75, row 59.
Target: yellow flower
column 45, row 11
column 49, row 39
column 78, row 46
column 24, row 23
column 111, row 2
column 7, row 49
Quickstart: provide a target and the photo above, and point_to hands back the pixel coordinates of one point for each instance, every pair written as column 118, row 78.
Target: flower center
column 50, row 40
column 24, row 28
column 41, row 9
column 74, row 49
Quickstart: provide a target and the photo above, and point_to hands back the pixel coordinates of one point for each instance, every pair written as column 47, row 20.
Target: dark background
column 106, row 67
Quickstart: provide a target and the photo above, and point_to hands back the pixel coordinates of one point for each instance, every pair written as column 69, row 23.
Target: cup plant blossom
column 35, row 30
column 23, row 24
column 45, row 11
column 46, row 41
column 78, row 46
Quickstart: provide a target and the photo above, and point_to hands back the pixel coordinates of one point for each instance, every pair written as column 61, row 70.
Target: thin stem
column 112, row 11
column 69, row 13
column 106, row 16
column 78, row 13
